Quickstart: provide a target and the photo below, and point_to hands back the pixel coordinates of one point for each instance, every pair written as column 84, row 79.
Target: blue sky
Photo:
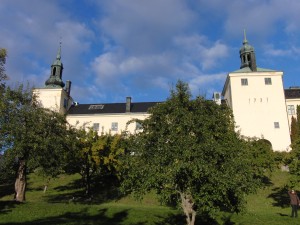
column 140, row 48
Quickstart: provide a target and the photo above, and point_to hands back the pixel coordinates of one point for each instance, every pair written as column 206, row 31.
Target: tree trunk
column 87, row 178
column 187, row 205
column 46, row 184
column 20, row 184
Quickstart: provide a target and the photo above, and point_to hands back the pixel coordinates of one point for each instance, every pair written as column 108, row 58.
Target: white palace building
column 261, row 106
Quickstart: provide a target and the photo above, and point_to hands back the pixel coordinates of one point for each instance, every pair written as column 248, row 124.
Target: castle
column 261, row 106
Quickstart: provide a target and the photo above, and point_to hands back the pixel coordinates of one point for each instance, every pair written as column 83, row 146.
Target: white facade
column 108, row 123
column 258, row 104
column 291, row 105
column 56, row 99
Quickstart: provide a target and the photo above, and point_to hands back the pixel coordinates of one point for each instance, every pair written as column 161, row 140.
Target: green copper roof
column 58, row 58
column 246, row 47
column 55, row 80
column 248, row 70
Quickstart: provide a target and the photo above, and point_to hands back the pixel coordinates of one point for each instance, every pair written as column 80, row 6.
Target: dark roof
column 292, row 93
column 110, row 108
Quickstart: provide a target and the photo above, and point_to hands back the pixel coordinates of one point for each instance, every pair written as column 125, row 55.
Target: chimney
column 128, row 104
column 217, row 97
column 68, row 87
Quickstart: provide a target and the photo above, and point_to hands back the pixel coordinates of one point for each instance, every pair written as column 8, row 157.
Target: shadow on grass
column 80, row 218
column 266, row 181
column 280, row 197
column 103, row 190
column 6, row 189
column 99, row 219
column 7, row 206
column 180, row 219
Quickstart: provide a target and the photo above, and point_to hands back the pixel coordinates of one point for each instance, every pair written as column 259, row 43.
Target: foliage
column 94, row 156
column 262, row 158
column 298, row 122
column 30, row 135
column 282, row 158
column 189, row 152
column 3, row 76
column 294, row 160
column 294, row 129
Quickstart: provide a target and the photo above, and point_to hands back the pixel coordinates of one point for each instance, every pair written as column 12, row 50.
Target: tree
column 298, row 121
column 261, row 157
column 189, row 152
column 94, row 156
column 84, row 159
column 30, row 136
column 294, row 159
column 3, row 76
column 294, row 129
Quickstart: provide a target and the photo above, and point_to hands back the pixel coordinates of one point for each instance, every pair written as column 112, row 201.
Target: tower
column 53, row 96
column 57, row 67
column 247, row 55
column 256, row 97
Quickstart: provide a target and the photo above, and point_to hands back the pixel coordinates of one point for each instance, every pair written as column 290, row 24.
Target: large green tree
column 189, row 152
column 30, row 136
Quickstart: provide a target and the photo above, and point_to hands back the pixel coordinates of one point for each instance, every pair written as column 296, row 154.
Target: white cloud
column 144, row 26
column 207, row 83
column 276, row 52
column 141, row 47
column 32, row 36
column 198, row 49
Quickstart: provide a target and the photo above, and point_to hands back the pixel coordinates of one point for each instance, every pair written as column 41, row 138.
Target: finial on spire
column 58, row 56
column 245, row 38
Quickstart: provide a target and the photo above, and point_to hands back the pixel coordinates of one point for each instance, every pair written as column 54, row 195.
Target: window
column 244, row 82
column 96, row 126
column 54, row 71
column 291, row 109
column 65, row 103
column 276, row 125
column 114, row 126
column 268, row 81
column 138, row 126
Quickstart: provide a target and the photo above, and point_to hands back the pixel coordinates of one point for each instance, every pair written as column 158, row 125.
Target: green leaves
column 31, row 133
column 189, row 146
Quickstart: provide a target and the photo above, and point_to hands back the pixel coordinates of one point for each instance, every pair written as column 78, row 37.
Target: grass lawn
column 62, row 204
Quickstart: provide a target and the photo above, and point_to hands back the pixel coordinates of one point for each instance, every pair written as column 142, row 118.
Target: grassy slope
column 57, row 206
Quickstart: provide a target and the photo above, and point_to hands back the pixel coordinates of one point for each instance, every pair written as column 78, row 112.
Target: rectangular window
column 114, row 126
column 268, row 81
column 96, row 126
column 65, row 103
column 291, row 109
column 276, row 125
column 244, row 82
column 138, row 126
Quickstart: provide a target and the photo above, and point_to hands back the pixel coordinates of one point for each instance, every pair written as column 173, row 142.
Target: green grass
column 57, row 206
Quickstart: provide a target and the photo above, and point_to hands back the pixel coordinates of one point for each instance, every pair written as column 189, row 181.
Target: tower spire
column 55, row 79
column 58, row 56
column 245, row 38
column 247, row 55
